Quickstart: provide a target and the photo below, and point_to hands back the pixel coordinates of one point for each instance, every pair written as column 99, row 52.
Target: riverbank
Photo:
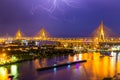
column 21, row 56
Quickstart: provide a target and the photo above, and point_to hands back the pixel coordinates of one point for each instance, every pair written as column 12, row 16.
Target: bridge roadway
column 68, row 40
column 78, row 40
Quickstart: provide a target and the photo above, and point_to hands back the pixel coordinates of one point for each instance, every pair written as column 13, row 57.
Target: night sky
column 61, row 18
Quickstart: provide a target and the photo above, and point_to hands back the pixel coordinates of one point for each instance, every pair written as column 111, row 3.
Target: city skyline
column 59, row 39
column 62, row 19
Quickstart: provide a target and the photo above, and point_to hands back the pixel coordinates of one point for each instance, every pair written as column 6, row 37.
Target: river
column 96, row 68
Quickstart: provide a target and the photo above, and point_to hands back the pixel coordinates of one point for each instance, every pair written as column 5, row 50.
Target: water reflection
column 5, row 71
column 36, row 63
column 55, row 69
column 14, row 71
column 96, row 68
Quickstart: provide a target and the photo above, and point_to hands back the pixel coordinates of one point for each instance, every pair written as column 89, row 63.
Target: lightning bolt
column 51, row 6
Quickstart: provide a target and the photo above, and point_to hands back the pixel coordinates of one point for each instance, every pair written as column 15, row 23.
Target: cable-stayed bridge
column 101, row 35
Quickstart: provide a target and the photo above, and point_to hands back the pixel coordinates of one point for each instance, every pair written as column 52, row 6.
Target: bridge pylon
column 18, row 34
column 102, row 33
column 42, row 34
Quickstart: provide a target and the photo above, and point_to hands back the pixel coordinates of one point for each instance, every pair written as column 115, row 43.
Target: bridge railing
column 85, row 39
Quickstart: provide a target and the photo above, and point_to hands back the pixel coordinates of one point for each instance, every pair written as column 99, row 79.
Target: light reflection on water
column 95, row 68
column 5, row 71
column 14, row 71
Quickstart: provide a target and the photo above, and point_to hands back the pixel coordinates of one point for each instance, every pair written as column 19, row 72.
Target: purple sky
column 61, row 18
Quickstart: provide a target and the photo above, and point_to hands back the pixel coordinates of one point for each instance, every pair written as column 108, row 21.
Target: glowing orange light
column 4, row 54
column 8, row 49
column 42, row 34
column 18, row 34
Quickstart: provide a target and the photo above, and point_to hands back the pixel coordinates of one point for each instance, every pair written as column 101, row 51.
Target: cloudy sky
column 60, row 18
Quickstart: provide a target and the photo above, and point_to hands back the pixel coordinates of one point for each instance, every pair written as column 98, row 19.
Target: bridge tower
column 42, row 34
column 101, row 29
column 100, row 33
column 18, row 34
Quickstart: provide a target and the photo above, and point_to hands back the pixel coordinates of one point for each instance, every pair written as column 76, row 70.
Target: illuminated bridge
column 101, row 35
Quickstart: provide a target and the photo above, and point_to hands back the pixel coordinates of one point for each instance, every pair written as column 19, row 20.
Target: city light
column 59, row 39
column 4, row 54
column 4, row 59
column 99, row 35
column 14, row 70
